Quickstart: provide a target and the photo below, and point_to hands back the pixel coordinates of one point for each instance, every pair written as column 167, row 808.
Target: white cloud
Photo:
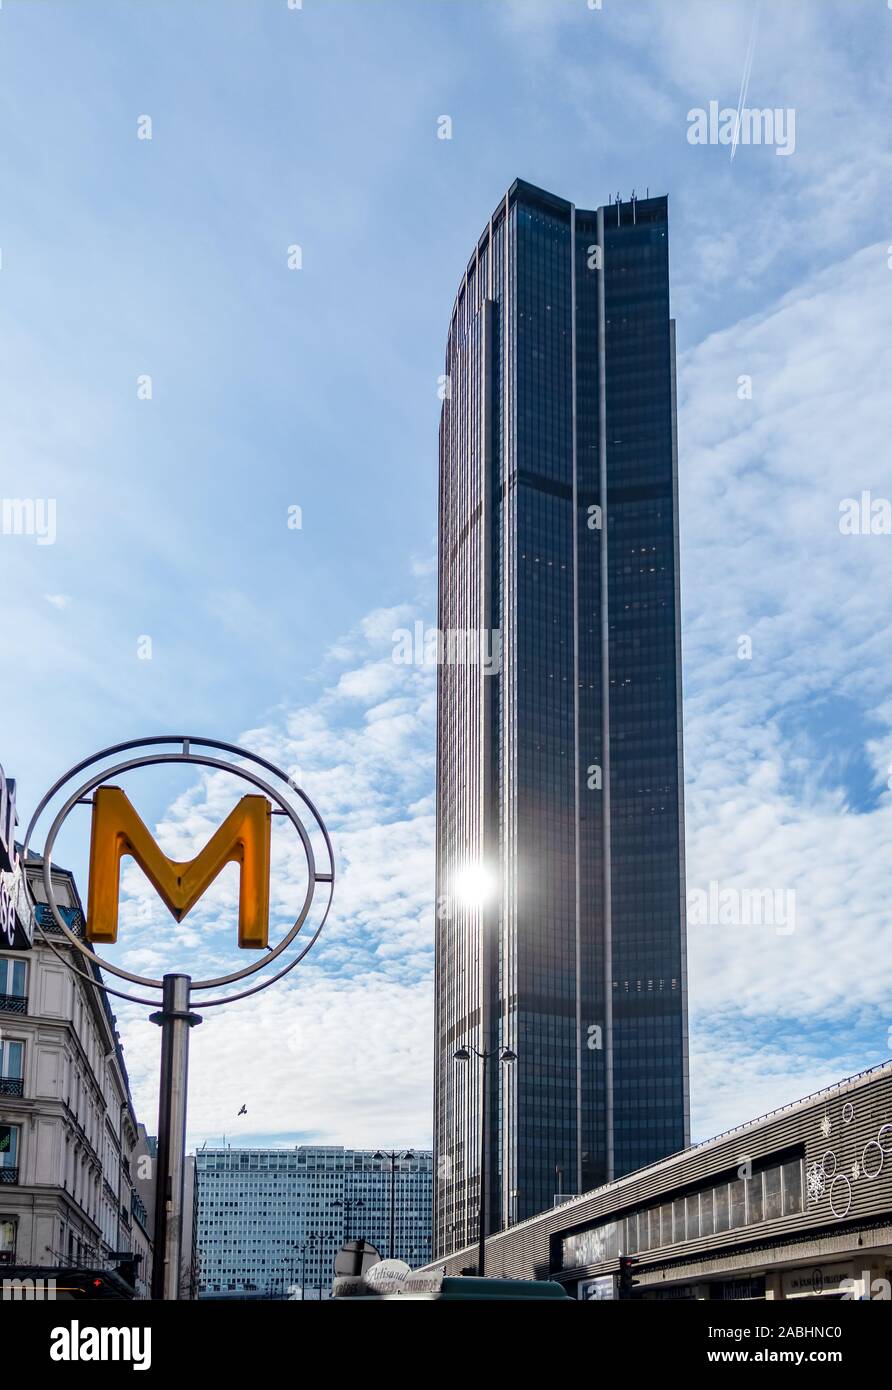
column 741, row 1078
column 334, row 1060
column 342, row 1049
column 768, row 801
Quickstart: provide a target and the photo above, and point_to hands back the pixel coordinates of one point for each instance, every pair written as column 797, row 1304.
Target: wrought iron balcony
column 11, row 1086
column 9, row 1175
column 71, row 916
column 13, row 1003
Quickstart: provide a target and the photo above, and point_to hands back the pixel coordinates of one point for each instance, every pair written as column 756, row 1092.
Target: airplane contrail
column 745, row 79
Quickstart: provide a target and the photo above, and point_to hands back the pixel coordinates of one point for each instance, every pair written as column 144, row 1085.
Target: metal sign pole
column 175, row 1021
column 481, row 1226
column 174, row 1017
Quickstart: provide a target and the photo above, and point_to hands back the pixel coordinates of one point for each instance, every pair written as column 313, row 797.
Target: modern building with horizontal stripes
column 795, row 1204
column 270, row 1220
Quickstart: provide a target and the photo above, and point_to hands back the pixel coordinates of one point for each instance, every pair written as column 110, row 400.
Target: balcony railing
column 9, row 1175
column 71, row 916
column 11, row 1086
column 13, row 1003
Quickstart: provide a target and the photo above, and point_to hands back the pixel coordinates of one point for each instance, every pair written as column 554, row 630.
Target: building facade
column 69, row 1140
column 560, row 849
column 272, row 1220
column 795, row 1204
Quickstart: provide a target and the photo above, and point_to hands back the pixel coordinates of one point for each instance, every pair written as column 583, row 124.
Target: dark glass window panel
column 772, row 1194
column 721, row 1208
column 692, row 1215
column 737, row 1192
column 707, row 1225
column 792, row 1176
column 754, row 1202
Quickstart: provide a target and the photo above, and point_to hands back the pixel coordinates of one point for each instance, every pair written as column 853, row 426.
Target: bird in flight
column 244, row 1110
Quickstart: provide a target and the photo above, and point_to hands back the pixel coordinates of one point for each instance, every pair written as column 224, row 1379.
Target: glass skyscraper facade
column 560, row 846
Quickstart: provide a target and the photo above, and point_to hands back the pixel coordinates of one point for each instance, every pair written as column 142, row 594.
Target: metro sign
column 243, row 839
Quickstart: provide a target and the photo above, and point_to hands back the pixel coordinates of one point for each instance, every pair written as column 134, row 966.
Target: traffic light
column 627, row 1284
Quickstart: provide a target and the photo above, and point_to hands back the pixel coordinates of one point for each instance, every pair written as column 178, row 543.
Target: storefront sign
column 816, row 1279
column 7, row 916
column 594, row 1290
column 733, row 1290
column 16, row 930
column 8, row 822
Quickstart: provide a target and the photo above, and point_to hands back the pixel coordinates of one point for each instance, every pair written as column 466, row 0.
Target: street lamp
column 393, row 1156
column 349, row 1204
column 292, row 1245
column 505, row 1055
column 309, row 1244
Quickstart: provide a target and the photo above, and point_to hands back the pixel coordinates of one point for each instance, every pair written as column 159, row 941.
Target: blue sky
column 317, row 388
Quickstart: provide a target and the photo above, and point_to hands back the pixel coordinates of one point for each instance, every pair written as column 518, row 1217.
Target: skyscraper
column 560, row 846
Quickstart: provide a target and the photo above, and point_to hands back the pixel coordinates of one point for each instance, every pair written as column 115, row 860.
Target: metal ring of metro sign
column 244, row 838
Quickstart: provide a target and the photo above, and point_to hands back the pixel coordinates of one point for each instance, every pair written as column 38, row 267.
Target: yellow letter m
column 243, row 839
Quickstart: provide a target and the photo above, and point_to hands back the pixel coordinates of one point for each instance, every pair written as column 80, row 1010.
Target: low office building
column 69, row 1203
column 270, row 1220
column 796, row 1204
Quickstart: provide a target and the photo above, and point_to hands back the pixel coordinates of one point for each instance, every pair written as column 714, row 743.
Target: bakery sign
column 16, row 932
